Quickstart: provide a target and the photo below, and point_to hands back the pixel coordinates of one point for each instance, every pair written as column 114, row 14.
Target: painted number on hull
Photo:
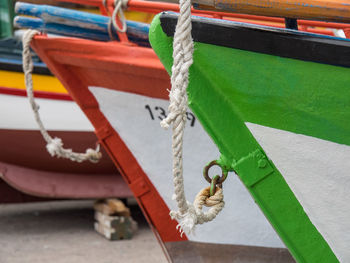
column 160, row 113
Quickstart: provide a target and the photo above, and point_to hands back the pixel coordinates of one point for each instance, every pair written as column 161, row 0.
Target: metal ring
column 206, row 173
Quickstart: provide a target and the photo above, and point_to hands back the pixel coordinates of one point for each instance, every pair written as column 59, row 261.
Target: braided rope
column 119, row 5
column 189, row 214
column 54, row 145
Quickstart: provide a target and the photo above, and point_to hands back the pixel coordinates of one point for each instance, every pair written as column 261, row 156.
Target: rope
column 194, row 214
column 119, row 5
column 189, row 214
column 54, row 145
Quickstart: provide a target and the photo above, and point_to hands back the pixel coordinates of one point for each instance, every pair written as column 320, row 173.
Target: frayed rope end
column 187, row 221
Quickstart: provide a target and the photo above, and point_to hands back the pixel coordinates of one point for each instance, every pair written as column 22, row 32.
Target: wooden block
column 115, row 228
column 112, row 207
column 108, row 233
column 116, row 221
column 119, row 207
column 113, row 220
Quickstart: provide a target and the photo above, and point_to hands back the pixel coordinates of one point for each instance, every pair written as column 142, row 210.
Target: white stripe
column 318, row 172
column 56, row 115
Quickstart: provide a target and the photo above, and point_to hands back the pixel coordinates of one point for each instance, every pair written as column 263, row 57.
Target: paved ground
column 62, row 232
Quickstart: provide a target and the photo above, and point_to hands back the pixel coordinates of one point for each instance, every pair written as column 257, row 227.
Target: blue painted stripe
column 52, row 28
column 78, row 19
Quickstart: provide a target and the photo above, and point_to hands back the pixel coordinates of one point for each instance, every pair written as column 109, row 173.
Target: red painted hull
column 27, row 148
column 9, row 195
column 134, row 69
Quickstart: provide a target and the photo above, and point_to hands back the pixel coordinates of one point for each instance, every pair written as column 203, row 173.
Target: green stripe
column 228, row 87
column 287, row 94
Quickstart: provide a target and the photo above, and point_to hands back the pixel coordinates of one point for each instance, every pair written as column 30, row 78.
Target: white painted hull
column 151, row 145
column 59, row 115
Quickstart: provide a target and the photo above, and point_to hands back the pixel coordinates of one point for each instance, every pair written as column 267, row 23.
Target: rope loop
column 119, row 6
column 188, row 215
column 203, row 198
column 195, row 215
column 54, row 145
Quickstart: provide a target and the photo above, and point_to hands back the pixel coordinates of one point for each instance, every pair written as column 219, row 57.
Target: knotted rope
column 54, row 145
column 119, row 6
column 189, row 214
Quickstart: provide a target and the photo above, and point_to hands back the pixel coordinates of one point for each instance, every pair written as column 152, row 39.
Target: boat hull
column 25, row 163
column 284, row 95
column 123, row 92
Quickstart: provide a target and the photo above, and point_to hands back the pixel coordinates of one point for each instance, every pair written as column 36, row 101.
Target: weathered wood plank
column 323, row 10
column 52, row 28
column 56, row 18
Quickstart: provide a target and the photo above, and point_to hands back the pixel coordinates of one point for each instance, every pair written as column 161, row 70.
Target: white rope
column 54, row 145
column 189, row 214
column 195, row 215
column 119, row 5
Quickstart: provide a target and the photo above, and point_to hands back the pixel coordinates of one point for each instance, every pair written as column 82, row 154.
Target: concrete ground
column 62, row 232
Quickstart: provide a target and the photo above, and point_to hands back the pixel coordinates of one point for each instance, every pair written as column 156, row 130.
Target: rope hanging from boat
column 188, row 214
column 54, row 145
column 119, row 6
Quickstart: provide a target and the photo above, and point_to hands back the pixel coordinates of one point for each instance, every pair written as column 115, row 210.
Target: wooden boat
column 126, row 119
column 24, row 162
column 276, row 104
column 122, row 89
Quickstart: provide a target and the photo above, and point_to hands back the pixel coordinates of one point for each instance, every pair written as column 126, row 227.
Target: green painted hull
column 6, row 16
column 229, row 87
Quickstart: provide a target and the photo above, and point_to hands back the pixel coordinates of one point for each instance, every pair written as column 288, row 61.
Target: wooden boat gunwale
column 257, row 38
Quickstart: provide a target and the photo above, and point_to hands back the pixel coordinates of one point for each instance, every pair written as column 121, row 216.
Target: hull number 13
column 159, row 113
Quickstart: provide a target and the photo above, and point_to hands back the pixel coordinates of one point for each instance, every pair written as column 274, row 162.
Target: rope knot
column 194, row 214
column 165, row 123
column 204, row 198
column 93, row 155
column 54, row 146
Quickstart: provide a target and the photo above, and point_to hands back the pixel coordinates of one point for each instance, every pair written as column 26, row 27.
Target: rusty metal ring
column 206, row 173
